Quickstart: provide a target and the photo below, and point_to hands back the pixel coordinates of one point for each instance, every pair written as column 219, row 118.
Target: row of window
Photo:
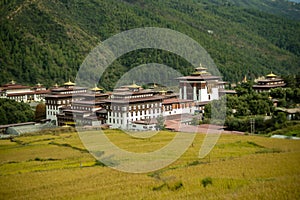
column 51, row 113
column 132, row 96
column 73, row 92
column 140, row 106
column 120, row 121
column 275, row 83
column 50, row 107
column 67, row 101
column 141, row 112
column 144, row 127
column 81, row 108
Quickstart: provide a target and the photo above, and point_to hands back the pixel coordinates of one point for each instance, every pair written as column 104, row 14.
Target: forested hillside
column 46, row 41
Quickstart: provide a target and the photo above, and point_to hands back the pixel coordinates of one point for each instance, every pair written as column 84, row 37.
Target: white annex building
column 22, row 93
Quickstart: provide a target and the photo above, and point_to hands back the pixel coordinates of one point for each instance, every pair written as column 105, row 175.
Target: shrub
column 206, row 181
column 175, row 185
column 98, row 163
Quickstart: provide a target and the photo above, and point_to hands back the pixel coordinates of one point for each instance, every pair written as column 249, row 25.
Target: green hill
column 46, row 41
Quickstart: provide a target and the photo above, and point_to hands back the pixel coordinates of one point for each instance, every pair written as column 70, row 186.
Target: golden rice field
column 57, row 166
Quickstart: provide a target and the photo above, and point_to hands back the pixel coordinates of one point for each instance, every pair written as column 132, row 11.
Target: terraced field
column 57, row 166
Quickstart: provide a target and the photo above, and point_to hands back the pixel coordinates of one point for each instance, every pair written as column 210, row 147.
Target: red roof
column 126, row 101
column 200, row 78
column 171, row 101
column 202, row 103
column 20, row 94
column 269, row 86
column 42, row 92
column 10, row 86
column 126, row 93
column 270, row 80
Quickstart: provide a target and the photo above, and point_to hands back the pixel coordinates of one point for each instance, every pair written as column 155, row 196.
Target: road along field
column 57, row 166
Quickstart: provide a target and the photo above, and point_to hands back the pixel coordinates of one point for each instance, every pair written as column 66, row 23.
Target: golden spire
column 271, row 75
column 134, row 85
column 96, row 89
column 69, row 83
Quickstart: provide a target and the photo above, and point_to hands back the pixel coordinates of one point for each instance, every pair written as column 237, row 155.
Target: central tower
column 200, row 86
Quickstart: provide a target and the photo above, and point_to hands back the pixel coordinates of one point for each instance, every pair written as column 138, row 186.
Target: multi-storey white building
column 133, row 104
column 22, row 93
column 61, row 97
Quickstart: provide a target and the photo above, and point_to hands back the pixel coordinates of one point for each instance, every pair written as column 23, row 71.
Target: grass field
column 57, row 166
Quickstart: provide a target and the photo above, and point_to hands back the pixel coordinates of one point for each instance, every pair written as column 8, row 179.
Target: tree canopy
column 12, row 111
column 46, row 41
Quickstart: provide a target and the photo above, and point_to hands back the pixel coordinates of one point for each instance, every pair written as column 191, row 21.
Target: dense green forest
column 46, row 41
column 12, row 111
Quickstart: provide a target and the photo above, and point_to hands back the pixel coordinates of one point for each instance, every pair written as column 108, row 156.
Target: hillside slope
column 46, row 41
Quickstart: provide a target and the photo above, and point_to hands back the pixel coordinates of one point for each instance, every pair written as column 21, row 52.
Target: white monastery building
column 131, row 107
column 61, row 97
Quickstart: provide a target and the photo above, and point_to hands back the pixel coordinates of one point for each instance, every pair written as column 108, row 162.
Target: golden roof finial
column 96, row 88
column 271, row 75
column 134, row 85
column 69, row 83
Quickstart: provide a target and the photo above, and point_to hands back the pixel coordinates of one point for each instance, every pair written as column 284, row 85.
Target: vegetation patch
column 171, row 185
column 290, row 130
column 265, row 150
column 206, row 181
column 195, row 162
column 68, row 145
column 99, row 163
column 254, row 144
column 43, row 159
